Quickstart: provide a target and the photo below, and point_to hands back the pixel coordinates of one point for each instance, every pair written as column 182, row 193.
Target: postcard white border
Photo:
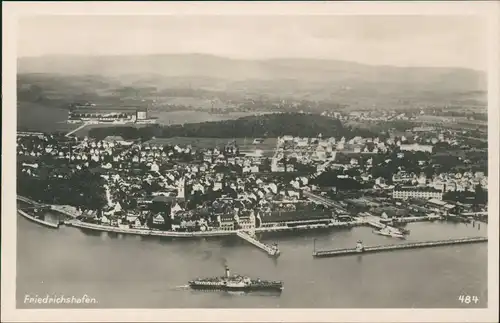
column 12, row 11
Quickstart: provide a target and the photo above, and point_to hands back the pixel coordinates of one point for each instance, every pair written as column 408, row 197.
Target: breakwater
column 32, row 218
column 394, row 247
column 37, row 220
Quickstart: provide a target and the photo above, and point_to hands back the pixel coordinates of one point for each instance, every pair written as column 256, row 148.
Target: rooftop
column 103, row 111
column 416, row 189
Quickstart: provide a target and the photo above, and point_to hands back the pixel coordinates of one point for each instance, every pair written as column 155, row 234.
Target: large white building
column 417, row 192
column 416, row 147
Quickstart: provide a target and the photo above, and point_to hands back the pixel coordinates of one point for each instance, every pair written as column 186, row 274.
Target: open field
column 181, row 117
column 38, row 117
column 85, row 131
column 451, row 120
column 406, row 125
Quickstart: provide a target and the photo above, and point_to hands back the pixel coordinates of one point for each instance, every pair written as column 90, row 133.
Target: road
column 75, row 130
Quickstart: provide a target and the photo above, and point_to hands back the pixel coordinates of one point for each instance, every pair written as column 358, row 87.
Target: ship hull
column 250, row 288
column 392, row 235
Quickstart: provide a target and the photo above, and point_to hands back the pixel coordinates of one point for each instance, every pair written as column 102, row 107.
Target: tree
column 480, row 195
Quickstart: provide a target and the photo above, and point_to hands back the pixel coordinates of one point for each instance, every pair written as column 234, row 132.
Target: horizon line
column 253, row 59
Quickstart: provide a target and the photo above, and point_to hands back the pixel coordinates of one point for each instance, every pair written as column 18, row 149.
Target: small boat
column 386, row 220
column 275, row 252
column 404, row 231
column 389, row 233
column 400, row 227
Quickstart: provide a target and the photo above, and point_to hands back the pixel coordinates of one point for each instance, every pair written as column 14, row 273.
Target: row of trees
column 83, row 190
column 272, row 125
column 478, row 197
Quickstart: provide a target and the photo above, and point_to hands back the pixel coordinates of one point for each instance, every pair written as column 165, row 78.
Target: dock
column 418, row 218
column 272, row 251
column 394, row 247
column 375, row 222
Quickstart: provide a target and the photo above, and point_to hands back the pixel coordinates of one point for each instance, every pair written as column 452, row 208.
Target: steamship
column 230, row 282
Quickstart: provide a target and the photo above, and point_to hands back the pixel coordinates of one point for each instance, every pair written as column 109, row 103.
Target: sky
column 458, row 41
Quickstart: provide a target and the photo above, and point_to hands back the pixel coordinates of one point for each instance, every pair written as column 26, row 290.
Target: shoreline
column 271, row 228
column 197, row 234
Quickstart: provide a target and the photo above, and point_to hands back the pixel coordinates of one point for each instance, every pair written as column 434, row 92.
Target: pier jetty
column 27, row 211
column 418, row 218
column 271, row 250
column 393, row 247
column 375, row 222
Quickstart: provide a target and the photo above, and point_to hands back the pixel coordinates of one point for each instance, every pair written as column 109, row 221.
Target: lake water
column 122, row 271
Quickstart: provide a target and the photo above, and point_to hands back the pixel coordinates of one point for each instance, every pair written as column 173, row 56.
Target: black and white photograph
column 252, row 160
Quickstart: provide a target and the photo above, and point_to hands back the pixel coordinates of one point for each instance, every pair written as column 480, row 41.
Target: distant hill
column 333, row 72
column 56, row 81
column 271, row 126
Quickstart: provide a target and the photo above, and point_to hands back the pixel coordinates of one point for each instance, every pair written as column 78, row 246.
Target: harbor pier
column 29, row 212
column 271, row 250
column 393, row 247
column 374, row 221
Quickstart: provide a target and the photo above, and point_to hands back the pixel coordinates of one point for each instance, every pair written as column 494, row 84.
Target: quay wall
column 285, row 216
column 214, row 233
column 149, row 232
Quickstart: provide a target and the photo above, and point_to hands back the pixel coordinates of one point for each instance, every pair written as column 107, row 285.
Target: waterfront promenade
column 147, row 232
column 30, row 201
column 72, row 213
column 176, row 234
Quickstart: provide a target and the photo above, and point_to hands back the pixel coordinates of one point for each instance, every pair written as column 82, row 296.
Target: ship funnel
column 227, row 271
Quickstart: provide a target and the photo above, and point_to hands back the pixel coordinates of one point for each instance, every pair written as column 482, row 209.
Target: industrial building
column 113, row 115
column 416, row 147
column 417, row 192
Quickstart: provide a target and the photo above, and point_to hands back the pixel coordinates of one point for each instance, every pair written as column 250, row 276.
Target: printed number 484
column 467, row 299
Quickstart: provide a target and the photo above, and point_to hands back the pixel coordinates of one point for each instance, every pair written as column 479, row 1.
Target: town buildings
column 416, row 147
column 406, row 192
column 113, row 115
